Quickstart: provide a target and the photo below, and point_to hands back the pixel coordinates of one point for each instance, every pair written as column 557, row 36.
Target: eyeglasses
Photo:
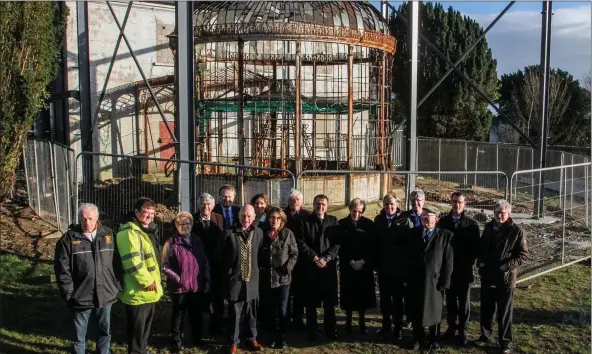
column 185, row 224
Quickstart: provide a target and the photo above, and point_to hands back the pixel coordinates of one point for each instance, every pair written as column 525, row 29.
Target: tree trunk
column 11, row 148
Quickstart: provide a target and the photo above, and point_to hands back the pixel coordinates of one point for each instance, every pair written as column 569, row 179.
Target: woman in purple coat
column 188, row 279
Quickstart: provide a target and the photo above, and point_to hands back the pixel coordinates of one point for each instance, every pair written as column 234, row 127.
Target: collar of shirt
column 428, row 232
column 90, row 235
column 204, row 218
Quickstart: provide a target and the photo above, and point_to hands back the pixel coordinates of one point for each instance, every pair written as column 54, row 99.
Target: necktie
column 426, row 237
column 206, row 224
column 227, row 220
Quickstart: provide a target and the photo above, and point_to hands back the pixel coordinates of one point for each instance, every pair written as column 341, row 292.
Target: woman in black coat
column 277, row 257
column 356, row 269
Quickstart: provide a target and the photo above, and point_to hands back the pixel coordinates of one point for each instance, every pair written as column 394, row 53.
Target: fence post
column 517, row 169
column 37, row 178
column 466, row 163
column 532, row 174
column 54, row 184
column 563, row 231
column 561, row 177
column 27, row 172
column 476, row 163
column 497, row 166
column 439, row 157
column 586, row 200
column 571, row 191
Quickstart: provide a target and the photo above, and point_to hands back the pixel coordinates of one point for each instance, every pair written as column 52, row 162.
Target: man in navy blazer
column 225, row 208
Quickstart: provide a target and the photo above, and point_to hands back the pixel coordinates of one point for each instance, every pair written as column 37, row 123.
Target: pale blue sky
column 515, row 39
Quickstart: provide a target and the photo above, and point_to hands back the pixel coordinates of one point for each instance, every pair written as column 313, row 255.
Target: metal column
column 84, row 89
column 298, row 109
column 350, row 108
column 544, row 101
column 413, row 51
column 240, row 120
column 185, row 105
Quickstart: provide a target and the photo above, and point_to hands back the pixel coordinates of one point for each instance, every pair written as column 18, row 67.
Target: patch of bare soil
column 22, row 232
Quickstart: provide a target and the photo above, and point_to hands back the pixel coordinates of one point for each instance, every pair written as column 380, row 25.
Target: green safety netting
column 254, row 106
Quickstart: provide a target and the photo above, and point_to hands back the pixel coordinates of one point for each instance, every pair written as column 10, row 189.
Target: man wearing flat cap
column 429, row 269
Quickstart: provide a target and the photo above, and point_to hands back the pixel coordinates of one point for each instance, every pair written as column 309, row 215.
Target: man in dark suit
column 295, row 214
column 317, row 243
column 240, row 251
column 229, row 212
column 208, row 226
column 465, row 245
column 429, row 265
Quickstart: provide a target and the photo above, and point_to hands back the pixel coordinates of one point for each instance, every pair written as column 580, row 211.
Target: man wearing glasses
column 503, row 250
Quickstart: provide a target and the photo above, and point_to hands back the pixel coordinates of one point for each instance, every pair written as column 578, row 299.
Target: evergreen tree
column 455, row 109
column 31, row 34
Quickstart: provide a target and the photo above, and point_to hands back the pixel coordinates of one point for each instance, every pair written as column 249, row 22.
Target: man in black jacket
column 295, row 214
column 465, row 245
column 503, row 250
column 208, row 226
column 391, row 233
column 240, row 264
column 86, row 263
column 319, row 249
column 225, row 208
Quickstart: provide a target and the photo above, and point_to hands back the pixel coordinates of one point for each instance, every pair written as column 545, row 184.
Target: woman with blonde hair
column 188, row 279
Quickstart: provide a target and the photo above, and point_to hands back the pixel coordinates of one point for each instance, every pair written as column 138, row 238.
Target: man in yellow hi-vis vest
column 138, row 244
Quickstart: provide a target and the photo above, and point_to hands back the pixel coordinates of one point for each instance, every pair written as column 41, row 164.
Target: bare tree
column 526, row 101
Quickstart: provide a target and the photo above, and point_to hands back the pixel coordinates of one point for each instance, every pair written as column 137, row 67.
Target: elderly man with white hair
column 85, row 264
column 295, row 214
column 503, row 250
column 430, row 265
column 239, row 252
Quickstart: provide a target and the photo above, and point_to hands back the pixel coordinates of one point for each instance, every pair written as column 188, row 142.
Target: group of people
column 275, row 266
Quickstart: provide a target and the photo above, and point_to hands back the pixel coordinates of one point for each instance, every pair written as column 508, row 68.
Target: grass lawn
column 552, row 315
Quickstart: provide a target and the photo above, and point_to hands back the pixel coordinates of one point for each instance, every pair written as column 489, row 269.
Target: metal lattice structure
column 295, row 85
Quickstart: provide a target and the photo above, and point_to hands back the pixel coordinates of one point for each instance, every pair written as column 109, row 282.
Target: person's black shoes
column 482, row 342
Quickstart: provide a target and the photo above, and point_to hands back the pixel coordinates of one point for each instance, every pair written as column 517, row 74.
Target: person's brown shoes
column 255, row 346
column 232, row 349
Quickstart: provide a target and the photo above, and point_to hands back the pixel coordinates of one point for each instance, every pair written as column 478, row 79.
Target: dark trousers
column 235, row 309
column 217, row 301
column 328, row 316
column 139, row 321
column 392, row 293
column 420, row 335
column 274, row 302
column 193, row 304
column 295, row 309
column 503, row 299
column 361, row 319
column 458, row 306
column 80, row 324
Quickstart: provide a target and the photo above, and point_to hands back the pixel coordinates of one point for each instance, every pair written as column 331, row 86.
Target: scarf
column 245, row 254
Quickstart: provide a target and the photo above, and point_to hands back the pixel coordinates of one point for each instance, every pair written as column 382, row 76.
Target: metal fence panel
column 561, row 235
column 48, row 172
column 115, row 197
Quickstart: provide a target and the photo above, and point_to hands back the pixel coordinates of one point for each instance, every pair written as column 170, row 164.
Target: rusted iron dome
column 350, row 22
